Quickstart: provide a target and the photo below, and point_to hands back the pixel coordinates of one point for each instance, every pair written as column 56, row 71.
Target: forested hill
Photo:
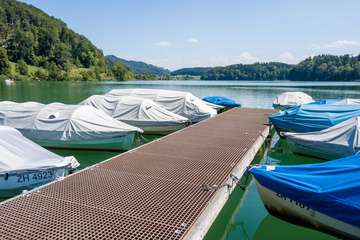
column 34, row 45
column 138, row 67
column 196, row 71
column 256, row 71
column 327, row 68
column 29, row 34
column 318, row 68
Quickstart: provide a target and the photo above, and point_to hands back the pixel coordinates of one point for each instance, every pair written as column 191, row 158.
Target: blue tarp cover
column 222, row 101
column 332, row 188
column 313, row 117
column 325, row 101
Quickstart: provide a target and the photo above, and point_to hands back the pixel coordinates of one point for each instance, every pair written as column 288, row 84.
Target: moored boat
column 288, row 100
column 9, row 82
column 25, row 165
column 182, row 103
column 222, row 101
column 218, row 108
column 139, row 112
column 345, row 101
column 341, row 140
column 322, row 196
column 68, row 126
column 313, row 117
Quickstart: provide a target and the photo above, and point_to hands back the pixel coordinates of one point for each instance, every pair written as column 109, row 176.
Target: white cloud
column 246, row 58
column 339, row 44
column 163, row 44
column 192, row 40
column 287, row 57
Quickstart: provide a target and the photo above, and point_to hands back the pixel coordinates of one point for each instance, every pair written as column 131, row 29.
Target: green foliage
column 55, row 73
column 196, row 71
column 327, row 68
column 20, row 46
column 29, row 34
column 88, row 75
column 4, row 62
column 40, row 74
column 120, row 72
column 318, row 68
column 256, row 71
column 22, row 68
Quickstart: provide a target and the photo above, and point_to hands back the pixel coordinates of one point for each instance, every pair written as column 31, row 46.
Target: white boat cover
column 61, row 122
column 214, row 106
column 337, row 141
column 19, row 153
column 130, row 108
column 291, row 99
column 182, row 103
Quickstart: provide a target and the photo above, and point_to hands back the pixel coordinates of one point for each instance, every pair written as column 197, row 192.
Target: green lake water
column 244, row 216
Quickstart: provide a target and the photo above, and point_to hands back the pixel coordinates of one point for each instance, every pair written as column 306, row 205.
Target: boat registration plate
column 36, row 176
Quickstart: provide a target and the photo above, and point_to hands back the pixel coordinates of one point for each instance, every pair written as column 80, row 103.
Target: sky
column 192, row 33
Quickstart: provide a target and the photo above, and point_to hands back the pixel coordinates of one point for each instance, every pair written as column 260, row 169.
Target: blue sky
column 186, row 33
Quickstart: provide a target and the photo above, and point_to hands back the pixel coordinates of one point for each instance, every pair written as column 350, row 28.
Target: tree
column 87, row 75
column 21, row 46
column 62, row 55
column 54, row 72
column 120, row 72
column 22, row 68
column 4, row 62
column 46, row 41
column 40, row 75
column 29, row 34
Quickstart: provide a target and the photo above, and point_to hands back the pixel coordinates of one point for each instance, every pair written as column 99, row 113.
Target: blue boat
column 313, row 117
column 345, row 101
column 222, row 101
column 325, row 101
column 323, row 196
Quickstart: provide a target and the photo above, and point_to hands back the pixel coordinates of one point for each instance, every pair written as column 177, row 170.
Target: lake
column 244, row 217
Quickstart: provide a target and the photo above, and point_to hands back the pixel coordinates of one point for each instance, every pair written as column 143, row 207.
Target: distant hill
column 138, row 67
column 256, row 71
column 196, row 71
column 317, row 68
column 327, row 68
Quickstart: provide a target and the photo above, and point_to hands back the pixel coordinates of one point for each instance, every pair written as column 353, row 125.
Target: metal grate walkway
column 153, row 192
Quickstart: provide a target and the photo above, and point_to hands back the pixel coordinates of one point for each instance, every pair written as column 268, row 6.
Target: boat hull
column 122, row 143
column 283, row 107
column 157, row 128
column 296, row 212
column 14, row 183
column 327, row 152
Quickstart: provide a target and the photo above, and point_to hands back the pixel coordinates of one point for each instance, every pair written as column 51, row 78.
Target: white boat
column 9, row 82
column 68, row 126
column 182, row 103
column 25, row 165
column 218, row 108
column 139, row 112
column 335, row 142
column 288, row 100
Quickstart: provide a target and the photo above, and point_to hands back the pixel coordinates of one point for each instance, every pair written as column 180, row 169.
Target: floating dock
column 171, row 188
